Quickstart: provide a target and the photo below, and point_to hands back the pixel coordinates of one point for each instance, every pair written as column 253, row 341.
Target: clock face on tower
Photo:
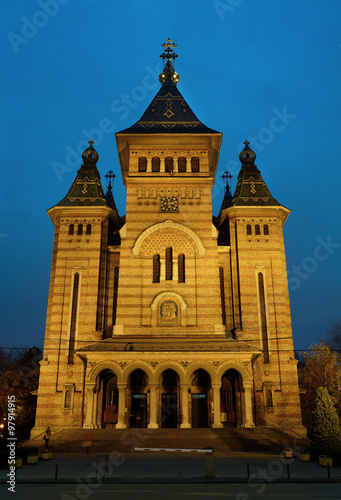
column 169, row 203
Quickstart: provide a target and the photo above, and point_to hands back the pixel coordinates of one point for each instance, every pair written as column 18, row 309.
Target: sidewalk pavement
column 159, row 467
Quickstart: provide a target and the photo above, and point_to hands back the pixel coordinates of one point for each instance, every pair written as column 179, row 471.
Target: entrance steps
column 258, row 439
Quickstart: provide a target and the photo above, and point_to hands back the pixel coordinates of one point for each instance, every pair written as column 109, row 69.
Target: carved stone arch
column 234, row 365
column 139, row 365
column 204, row 365
column 105, row 365
column 200, row 249
column 163, row 296
column 172, row 365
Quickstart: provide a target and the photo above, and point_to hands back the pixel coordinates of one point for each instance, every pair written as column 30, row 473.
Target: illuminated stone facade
column 167, row 317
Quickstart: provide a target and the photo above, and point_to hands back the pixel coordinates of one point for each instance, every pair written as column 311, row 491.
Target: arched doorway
column 107, row 399
column 169, row 399
column 230, row 398
column 201, row 398
column 137, row 383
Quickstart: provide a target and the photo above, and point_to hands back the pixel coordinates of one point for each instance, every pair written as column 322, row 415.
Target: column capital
column 121, row 386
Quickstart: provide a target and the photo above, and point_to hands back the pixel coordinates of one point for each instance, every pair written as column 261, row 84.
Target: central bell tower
column 169, row 256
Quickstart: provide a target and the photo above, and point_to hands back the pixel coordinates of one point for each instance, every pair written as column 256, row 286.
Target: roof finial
column 90, row 155
column 227, row 179
column 247, row 156
column 168, row 75
column 110, row 175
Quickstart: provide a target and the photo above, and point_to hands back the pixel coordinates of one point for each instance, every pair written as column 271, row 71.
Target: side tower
column 85, row 224
column 253, row 222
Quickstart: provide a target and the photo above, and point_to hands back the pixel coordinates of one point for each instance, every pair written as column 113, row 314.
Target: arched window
column 169, row 264
column 262, row 310
column 169, row 164
column 195, row 164
column 248, row 230
column 73, row 318
column 182, row 164
column 156, row 269
column 114, row 307
column 80, row 229
column 88, row 229
column 181, row 268
column 155, row 164
column 266, row 229
column 222, row 294
column 67, row 400
column 257, row 230
column 142, row 164
column 71, row 229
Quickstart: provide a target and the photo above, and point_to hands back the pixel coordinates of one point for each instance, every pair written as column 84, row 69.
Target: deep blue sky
column 241, row 63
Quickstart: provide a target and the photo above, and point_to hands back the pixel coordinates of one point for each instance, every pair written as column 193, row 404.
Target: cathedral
column 167, row 316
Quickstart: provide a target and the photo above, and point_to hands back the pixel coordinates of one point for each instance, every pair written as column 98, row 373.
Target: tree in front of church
column 333, row 335
column 318, row 367
column 326, row 424
column 19, row 375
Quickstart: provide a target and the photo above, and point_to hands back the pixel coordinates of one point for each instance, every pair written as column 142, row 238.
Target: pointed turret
column 251, row 189
column 168, row 112
column 86, row 189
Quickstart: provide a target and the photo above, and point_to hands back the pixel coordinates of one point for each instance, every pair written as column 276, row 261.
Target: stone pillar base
column 249, row 425
column 217, row 425
column 185, row 426
column 121, row 425
column 152, row 426
column 88, row 426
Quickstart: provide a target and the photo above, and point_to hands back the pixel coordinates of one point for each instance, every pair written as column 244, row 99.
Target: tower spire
column 109, row 196
column 168, row 76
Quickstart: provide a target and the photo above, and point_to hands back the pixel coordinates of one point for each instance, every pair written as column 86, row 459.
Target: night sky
column 266, row 71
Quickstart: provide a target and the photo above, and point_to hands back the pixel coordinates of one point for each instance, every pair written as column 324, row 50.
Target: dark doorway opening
column 138, row 382
column 169, row 399
column 199, row 410
column 200, row 387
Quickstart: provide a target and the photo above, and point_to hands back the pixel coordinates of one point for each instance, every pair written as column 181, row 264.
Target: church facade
column 167, row 316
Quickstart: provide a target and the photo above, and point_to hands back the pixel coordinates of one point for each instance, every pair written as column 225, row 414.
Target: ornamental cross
column 169, row 53
column 227, row 178
column 110, row 175
column 246, row 143
column 91, row 143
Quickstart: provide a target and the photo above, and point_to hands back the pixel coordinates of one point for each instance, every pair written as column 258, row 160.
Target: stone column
column 95, row 411
column 248, row 405
column 162, row 269
column 149, row 164
column 175, row 267
column 162, row 165
column 175, row 164
column 184, row 407
column 121, row 423
column 89, row 406
column 153, row 407
column 216, row 406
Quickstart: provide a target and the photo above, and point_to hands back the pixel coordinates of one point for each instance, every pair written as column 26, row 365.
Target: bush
column 326, row 425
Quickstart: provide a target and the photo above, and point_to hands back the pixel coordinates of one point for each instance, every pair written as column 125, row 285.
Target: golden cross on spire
column 169, row 44
column 91, row 143
column 246, row 142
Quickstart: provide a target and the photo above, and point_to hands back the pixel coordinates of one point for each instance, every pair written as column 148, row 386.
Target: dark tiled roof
column 251, row 190
column 168, row 113
column 86, row 190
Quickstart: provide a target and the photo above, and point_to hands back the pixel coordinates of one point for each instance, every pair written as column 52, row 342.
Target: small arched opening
column 230, row 399
column 202, row 403
column 138, row 383
column 107, row 399
column 170, row 392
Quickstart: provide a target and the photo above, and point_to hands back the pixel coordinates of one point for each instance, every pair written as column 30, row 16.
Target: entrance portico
column 142, row 389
